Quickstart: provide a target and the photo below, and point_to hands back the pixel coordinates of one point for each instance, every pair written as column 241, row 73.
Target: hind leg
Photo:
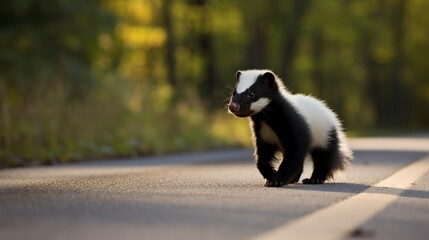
column 321, row 168
column 325, row 161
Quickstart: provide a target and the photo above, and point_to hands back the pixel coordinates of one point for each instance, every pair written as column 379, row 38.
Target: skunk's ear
column 237, row 75
column 269, row 79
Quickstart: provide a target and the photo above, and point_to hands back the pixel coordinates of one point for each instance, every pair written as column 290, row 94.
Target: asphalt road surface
column 220, row 195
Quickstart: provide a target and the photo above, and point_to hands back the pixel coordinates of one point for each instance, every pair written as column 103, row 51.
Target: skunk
column 288, row 127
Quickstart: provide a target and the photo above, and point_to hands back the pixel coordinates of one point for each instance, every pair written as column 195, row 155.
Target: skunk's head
column 253, row 92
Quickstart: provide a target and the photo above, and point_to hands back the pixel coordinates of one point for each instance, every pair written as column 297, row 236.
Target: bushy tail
column 344, row 154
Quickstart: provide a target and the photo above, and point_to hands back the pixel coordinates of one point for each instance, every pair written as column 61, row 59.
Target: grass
column 48, row 127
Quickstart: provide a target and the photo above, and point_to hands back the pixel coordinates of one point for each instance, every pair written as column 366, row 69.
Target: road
column 220, row 195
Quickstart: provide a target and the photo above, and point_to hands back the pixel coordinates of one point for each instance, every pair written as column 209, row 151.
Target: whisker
column 229, row 86
column 226, row 99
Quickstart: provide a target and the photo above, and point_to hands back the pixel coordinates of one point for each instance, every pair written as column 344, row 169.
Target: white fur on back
column 247, row 79
column 321, row 120
column 319, row 117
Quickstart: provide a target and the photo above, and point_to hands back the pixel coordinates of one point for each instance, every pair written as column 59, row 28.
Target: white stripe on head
column 259, row 105
column 247, row 79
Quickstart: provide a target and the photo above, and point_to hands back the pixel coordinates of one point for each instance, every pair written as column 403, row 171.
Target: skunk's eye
column 250, row 94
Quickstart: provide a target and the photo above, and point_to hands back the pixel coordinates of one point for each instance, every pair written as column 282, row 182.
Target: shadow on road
column 358, row 188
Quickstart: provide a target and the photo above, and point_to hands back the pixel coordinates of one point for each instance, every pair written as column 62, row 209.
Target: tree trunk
column 372, row 88
column 317, row 70
column 208, row 89
column 258, row 35
column 293, row 30
column 397, row 95
column 170, row 44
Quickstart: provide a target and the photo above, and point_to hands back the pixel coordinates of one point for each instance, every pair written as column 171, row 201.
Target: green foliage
column 105, row 78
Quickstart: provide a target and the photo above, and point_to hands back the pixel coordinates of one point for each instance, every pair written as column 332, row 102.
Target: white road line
column 391, row 144
column 338, row 220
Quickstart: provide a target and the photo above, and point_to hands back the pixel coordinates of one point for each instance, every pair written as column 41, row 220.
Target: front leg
column 292, row 164
column 264, row 159
column 288, row 172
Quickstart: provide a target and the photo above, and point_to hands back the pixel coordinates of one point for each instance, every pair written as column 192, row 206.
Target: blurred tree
column 62, row 39
column 51, row 54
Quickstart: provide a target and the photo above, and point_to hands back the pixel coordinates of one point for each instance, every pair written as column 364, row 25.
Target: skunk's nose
column 234, row 107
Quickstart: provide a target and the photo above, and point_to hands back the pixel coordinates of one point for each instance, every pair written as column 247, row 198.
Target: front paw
column 270, row 175
column 276, row 182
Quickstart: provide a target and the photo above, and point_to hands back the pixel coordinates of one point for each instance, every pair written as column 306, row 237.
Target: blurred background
column 83, row 79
